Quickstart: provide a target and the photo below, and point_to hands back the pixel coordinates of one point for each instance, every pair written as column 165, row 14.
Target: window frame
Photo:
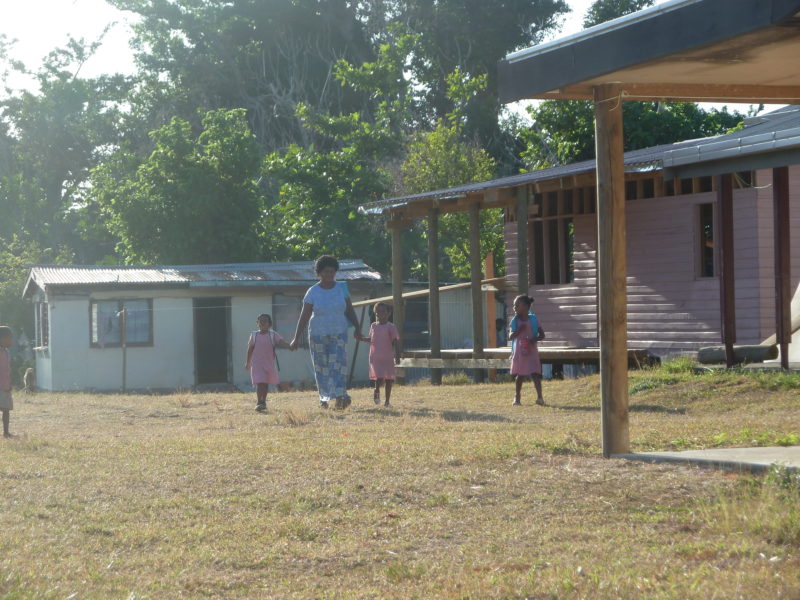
column 699, row 239
column 42, row 325
column 120, row 305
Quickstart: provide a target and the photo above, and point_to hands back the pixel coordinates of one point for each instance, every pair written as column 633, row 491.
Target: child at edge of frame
column 262, row 359
column 525, row 332
column 6, row 399
column 383, row 352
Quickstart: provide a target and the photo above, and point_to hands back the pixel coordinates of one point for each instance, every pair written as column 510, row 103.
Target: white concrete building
column 184, row 326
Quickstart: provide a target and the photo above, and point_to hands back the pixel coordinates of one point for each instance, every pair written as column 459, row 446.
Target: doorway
column 212, row 340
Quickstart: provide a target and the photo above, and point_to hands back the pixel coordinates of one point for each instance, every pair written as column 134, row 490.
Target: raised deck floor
column 498, row 358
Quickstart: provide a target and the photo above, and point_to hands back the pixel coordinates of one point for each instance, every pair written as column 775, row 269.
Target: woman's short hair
column 323, row 262
column 5, row 331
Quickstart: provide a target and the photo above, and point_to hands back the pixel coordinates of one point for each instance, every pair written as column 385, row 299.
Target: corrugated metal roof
column 645, row 159
column 231, row 275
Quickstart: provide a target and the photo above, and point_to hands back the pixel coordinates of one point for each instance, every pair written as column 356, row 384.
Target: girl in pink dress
column 525, row 333
column 262, row 360
column 382, row 340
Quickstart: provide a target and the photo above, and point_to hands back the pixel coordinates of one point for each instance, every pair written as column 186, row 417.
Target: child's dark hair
column 325, row 261
column 524, row 298
column 386, row 305
column 5, row 331
column 264, row 316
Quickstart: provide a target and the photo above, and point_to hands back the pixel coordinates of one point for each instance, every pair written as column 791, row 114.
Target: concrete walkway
column 755, row 460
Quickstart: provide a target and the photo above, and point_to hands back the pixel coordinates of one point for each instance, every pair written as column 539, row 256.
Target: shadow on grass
column 461, row 415
column 447, row 415
column 656, row 409
column 652, row 408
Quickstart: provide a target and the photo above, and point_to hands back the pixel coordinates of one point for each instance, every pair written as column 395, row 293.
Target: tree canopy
column 252, row 130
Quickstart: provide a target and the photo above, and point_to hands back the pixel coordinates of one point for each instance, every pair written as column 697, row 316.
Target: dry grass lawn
column 453, row 493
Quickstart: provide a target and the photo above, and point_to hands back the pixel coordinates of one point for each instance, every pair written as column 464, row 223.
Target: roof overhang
column 730, row 154
column 682, row 50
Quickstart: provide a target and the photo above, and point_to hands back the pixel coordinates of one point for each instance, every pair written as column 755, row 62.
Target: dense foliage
column 253, row 130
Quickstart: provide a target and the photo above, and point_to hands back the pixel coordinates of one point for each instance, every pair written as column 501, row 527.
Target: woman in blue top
column 326, row 310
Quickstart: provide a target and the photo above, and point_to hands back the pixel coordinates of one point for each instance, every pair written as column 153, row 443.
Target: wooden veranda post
column 783, row 275
column 727, row 294
column 522, row 240
column 398, row 312
column 475, row 286
column 611, row 269
column 491, row 313
column 433, row 292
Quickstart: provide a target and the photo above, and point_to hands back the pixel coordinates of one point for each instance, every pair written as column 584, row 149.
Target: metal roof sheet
column 779, row 127
column 232, row 275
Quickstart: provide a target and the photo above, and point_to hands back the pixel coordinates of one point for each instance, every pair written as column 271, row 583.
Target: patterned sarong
column 330, row 365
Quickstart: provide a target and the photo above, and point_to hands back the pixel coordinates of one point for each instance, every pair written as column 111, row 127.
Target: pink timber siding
column 670, row 309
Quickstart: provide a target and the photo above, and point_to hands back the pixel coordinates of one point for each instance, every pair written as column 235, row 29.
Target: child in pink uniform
column 382, row 340
column 6, row 400
column 262, row 360
column 525, row 333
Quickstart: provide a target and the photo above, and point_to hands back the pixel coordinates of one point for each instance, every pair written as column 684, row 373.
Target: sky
column 39, row 26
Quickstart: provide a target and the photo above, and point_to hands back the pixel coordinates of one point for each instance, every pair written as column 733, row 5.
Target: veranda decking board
column 498, row 358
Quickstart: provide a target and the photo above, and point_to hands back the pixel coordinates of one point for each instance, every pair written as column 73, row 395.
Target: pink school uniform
column 263, row 367
column 381, row 350
column 525, row 354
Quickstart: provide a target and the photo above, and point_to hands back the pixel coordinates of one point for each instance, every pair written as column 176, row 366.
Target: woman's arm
column 302, row 321
column 350, row 313
column 281, row 343
column 396, row 348
column 249, row 356
column 540, row 334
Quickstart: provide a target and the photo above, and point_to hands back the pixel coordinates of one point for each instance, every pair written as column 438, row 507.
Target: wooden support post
column 612, row 269
column 475, row 286
column 491, row 313
column 434, row 312
column 522, row 239
column 123, row 336
column 727, row 295
column 783, row 278
column 398, row 310
column 532, row 244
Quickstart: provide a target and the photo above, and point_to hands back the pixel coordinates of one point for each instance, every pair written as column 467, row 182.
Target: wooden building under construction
column 681, row 50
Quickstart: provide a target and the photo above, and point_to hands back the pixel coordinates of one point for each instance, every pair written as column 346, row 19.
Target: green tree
column 472, row 36
column 315, row 193
column 601, row 11
column 17, row 254
column 265, row 56
column 442, row 158
column 52, row 137
column 194, row 200
column 562, row 131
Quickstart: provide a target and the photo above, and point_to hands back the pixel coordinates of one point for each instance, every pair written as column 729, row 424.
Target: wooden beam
column 727, row 292
column 434, row 313
column 686, row 92
column 612, row 269
column 783, row 273
column 477, row 295
column 522, row 240
column 398, row 312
